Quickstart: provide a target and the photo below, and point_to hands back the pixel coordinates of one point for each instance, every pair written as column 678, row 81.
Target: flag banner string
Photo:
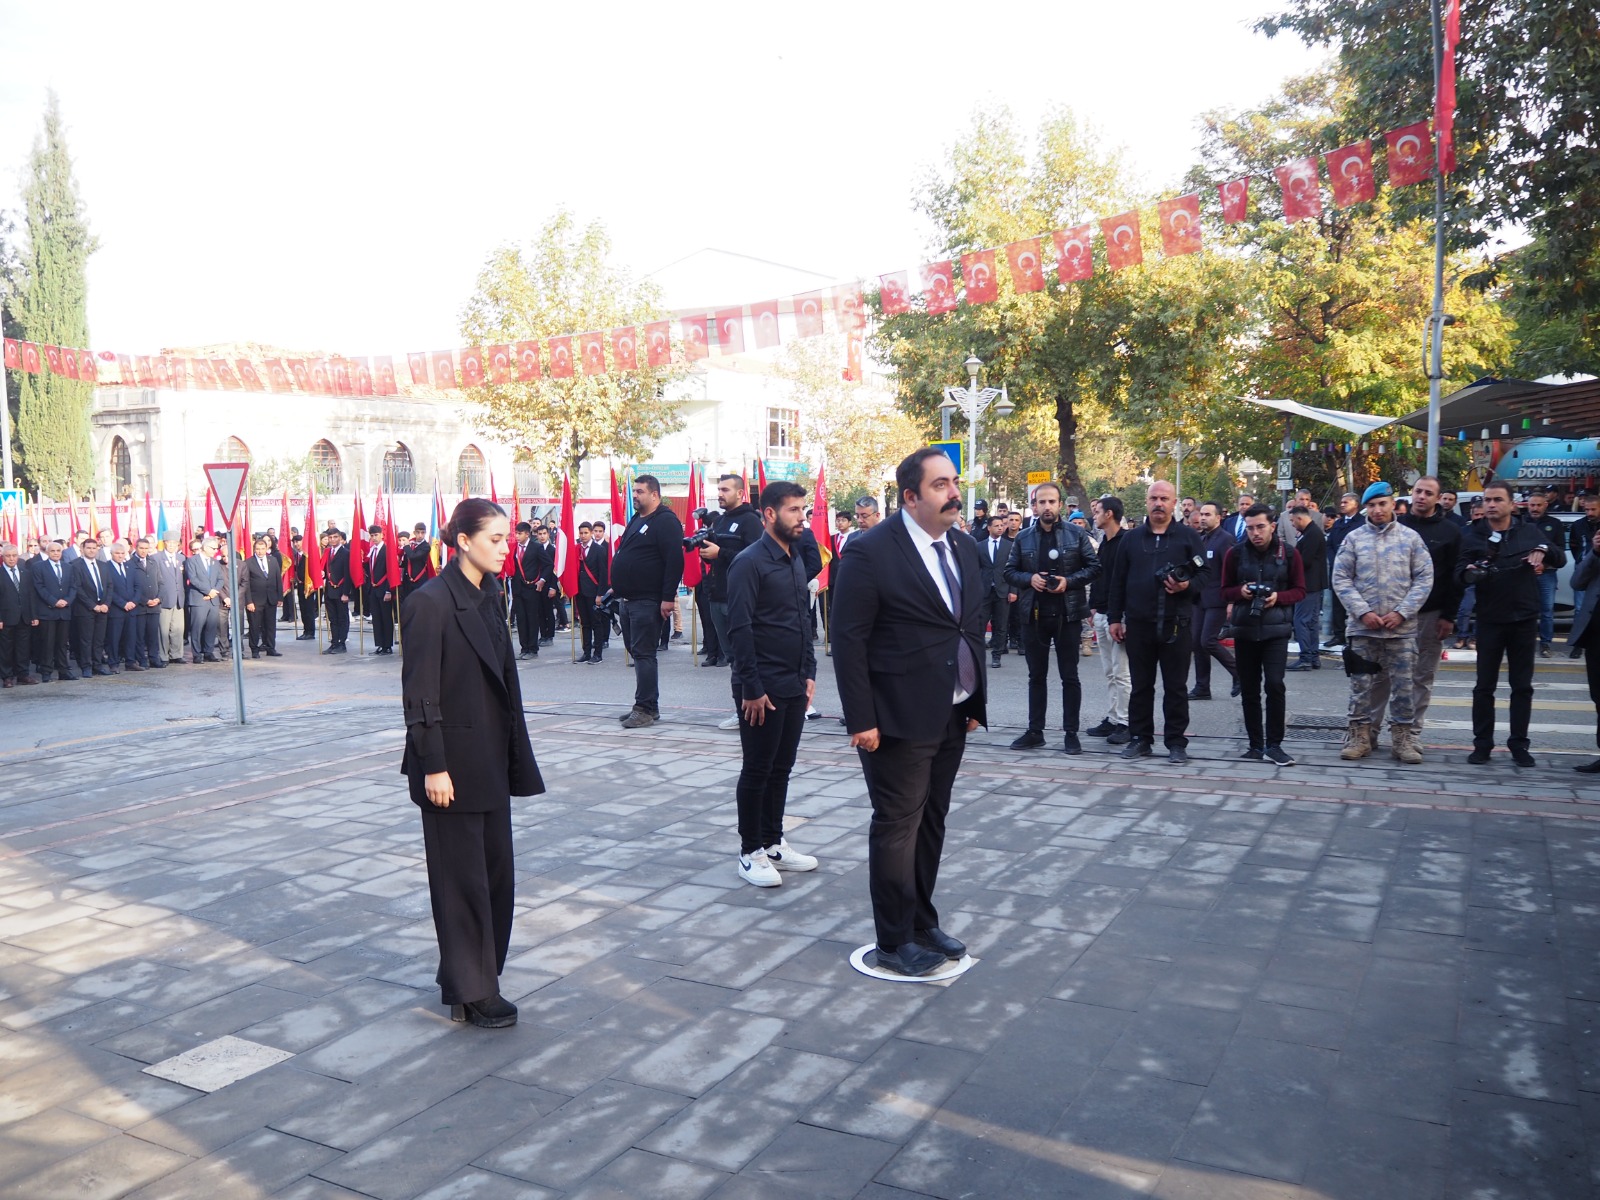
column 1410, row 159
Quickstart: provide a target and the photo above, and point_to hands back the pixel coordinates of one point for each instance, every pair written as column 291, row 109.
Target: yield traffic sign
column 226, row 481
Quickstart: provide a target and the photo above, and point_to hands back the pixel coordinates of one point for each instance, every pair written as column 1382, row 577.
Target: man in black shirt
column 1150, row 612
column 737, row 527
column 645, row 573
column 1503, row 558
column 774, row 678
column 1350, row 515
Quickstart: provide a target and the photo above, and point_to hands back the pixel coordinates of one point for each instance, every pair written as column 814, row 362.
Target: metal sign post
column 226, row 481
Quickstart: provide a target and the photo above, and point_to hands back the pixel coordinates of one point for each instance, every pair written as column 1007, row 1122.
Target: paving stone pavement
column 1339, row 981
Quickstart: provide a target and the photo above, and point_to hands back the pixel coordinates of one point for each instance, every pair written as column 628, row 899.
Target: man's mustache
column 953, row 506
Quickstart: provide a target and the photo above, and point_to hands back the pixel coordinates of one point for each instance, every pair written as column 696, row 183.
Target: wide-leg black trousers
column 472, row 884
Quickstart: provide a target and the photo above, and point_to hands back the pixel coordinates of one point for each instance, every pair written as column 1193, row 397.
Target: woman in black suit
column 467, row 753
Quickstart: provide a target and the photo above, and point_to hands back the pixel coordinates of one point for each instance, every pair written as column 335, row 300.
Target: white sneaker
column 729, row 722
column 755, row 869
column 786, row 858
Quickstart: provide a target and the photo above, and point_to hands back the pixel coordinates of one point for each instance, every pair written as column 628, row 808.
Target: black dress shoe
column 938, row 939
column 1029, row 740
column 494, row 1013
column 1237, row 688
column 305, row 637
column 1118, row 736
column 1478, row 757
column 1521, row 757
column 1137, row 748
column 910, row 959
column 274, row 653
column 711, row 660
column 255, row 654
column 1305, row 664
column 1592, row 768
column 333, row 649
column 994, row 662
column 1101, row 730
column 1070, row 744
column 1177, row 754
column 1197, row 694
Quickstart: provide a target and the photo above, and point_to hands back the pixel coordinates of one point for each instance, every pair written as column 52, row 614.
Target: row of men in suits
column 538, row 601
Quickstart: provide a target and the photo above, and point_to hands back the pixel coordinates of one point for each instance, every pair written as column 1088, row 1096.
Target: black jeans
column 1146, row 653
column 641, row 633
column 1257, row 660
column 1210, row 622
column 769, row 750
column 1517, row 642
column 1036, row 640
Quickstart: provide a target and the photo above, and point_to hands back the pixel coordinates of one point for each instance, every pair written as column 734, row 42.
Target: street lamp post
column 1176, row 448
column 971, row 401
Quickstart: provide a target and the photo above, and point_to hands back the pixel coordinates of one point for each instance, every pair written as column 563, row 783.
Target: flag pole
column 694, row 632
column 1433, row 340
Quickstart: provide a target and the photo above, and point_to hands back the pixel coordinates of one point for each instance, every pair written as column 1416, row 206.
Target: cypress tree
column 50, row 307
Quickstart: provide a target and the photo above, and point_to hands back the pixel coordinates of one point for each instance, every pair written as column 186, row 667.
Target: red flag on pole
column 616, row 514
column 1444, row 108
column 1350, row 174
column 185, row 526
column 821, row 518
column 358, row 544
column 311, row 543
column 693, row 567
column 1123, row 248
column 1410, row 154
column 977, row 273
column 391, row 541
column 285, row 547
column 210, row 525
column 568, row 566
column 149, row 516
column 761, row 476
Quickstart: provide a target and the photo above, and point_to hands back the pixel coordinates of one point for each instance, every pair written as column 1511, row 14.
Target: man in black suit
column 147, row 585
column 202, row 585
column 54, row 591
column 336, row 592
column 17, row 621
column 381, row 607
column 261, row 587
column 416, row 561
column 529, row 570
column 122, row 627
column 994, row 551
column 549, row 588
column 91, row 610
column 594, row 579
column 910, row 634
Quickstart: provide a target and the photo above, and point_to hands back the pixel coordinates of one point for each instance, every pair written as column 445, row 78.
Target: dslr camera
column 1181, row 571
column 1258, row 593
column 704, row 517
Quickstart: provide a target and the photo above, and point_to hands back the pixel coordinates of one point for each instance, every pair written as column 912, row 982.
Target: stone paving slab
column 1336, row 982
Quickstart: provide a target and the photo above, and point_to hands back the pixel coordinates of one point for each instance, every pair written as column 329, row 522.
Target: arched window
column 399, row 472
column 326, row 468
column 233, row 450
column 121, row 467
column 472, row 472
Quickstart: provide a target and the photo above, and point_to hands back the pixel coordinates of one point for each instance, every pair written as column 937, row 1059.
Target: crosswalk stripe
column 1540, row 705
column 1430, row 722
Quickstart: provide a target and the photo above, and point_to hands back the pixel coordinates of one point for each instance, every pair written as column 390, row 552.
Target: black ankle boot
column 494, row 1013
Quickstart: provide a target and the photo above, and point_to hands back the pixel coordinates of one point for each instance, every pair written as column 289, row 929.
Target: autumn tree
column 566, row 283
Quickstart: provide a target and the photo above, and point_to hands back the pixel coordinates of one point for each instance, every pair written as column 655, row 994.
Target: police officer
column 1051, row 565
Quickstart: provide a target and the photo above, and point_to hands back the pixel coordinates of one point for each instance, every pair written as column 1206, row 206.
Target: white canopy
column 1361, row 423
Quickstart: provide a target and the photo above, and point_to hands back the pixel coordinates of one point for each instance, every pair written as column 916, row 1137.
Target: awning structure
column 1353, row 422
column 1517, row 408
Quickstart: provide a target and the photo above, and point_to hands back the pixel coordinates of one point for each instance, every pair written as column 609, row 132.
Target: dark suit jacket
column 463, row 702
column 336, row 574
column 598, row 563
column 86, row 594
column 264, row 589
column 378, row 571
column 994, row 581
column 121, row 589
column 202, row 575
column 46, row 590
column 535, row 562
column 16, row 599
column 1584, row 580
column 146, row 582
column 895, row 639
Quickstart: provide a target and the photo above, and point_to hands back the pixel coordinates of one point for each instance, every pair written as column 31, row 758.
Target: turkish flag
column 204, row 377
column 808, row 314
column 695, row 345
column 977, row 274
column 52, row 359
column 658, row 352
column 225, row 375
column 301, row 374
column 499, row 364
column 938, row 287
column 1027, row 272
column 847, row 304
column 384, row 383
column 893, row 294
column 1350, row 174
column 67, row 358
column 561, row 357
column 1444, row 106
column 730, row 330
column 320, row 383
column 1235, row 198
column 164, row 368
column 361, row 375
column 339, row 370
column 444, row 369
column 1074, row 253
column 419, row 367
column 277, row 377
column 146, row 372
column 1410, row 154
column 764, row 316
column 1123, row 248
column 852, row 356
column 248, row 377
column 472, row 367
column 527, row 362
column 88, row 369
column 625, row 348
column 1302, row 193
column 1180, row 225
column 180, row 373
column 592, row 353
column 13, row 354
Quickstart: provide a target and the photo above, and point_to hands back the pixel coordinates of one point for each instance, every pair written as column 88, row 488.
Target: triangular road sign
column 226, row 481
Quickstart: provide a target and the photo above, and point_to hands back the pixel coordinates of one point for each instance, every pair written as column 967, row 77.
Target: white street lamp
column 971, row 401
column 1177, row 448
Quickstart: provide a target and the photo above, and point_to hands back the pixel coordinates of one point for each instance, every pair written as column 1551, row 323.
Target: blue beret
column 1376, row 489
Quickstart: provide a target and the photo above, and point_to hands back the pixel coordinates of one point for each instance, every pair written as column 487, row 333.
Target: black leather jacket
column 1078, row 564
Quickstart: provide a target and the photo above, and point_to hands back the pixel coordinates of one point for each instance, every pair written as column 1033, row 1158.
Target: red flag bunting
column 527, row 362
column 472, row 367
column 362, row 375
column 592, row 350
column 1180, row 225
column 1074, row 253
column 343, row 378
column 1444, row 107
column 13, row 354
column 1410, row 154
column 1027, row 271
column 383, row 380
column 300, row 373
column 1235, row 198
column 144, row 370
column 977, row 275
column 847, row 304
column 1350, row 174
column 52, row 358
column 1302, row 195
column 499, row 364
column 419, row 368
column 247, row 376
column 1123, row 248
column 625, row 348
column 894, row 294
column 321, row 383
column 88, row 369
column 225, row 375
column 808, row 314
column 444, row 369
column 730, row 330
column 277, row 377
column 30, row 357
column 204, row 377
column 938, row 290
column 657, row 347
column 695, row 344
column 765, row 318
column 561, row 358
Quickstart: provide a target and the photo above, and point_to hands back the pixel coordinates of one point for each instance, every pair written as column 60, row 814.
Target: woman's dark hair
column 469, row 517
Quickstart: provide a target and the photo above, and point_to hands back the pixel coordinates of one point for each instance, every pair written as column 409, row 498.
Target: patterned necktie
column 966, row 665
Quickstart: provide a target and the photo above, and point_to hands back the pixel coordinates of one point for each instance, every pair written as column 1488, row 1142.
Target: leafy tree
column 50, row 307
column 1527, row 128
column 565, row 282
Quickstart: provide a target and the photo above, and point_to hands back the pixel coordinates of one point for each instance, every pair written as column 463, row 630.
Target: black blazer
column 463, row 702
column 46, row 589
column 121, row 590
column 895, row 639
column 336, row 574
column 598, row 563
column 994, row 569
column 16, row 600
column 536, row 563
column 262, row 588
column 146, row 582
column 87, row 596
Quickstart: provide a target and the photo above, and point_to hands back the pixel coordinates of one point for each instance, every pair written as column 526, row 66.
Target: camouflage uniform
column 1398, row 657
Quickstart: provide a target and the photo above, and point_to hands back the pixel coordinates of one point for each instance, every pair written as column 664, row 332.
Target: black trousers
column 147, row 649
column 263, row 628
column 1591, row 667
column 595, row 624
column 1036, row 641
column 547, row 615
column 472, row 886
column 288, row 606
column 763, row 789
column 205, row 621
column 997, row 610
column 1257, row 661
column 50, row 647
column 338, row 620
column 642, row 624
column 710, row 643
column 1516, row 640
column 16, row 647
column 1340, row 618
column 909, row 784
column 1146, row 653
column 89, row 639
column 1210, row 622
column 308, row 614
column 382, row 620
column 121, row 631
column 525, row 603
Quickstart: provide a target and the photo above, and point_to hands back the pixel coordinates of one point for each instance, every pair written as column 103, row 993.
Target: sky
column 332, row 176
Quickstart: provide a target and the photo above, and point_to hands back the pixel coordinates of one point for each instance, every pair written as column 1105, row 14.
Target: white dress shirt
column 930, row 559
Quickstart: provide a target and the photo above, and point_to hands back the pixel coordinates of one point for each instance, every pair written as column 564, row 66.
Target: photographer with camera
column 1051, row 564
column 1504, row 558
column 645, row 573
column 1149, row 609
column 1211, row 616
column 1263, row 579
column 736, row 527
column 1382, row 576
